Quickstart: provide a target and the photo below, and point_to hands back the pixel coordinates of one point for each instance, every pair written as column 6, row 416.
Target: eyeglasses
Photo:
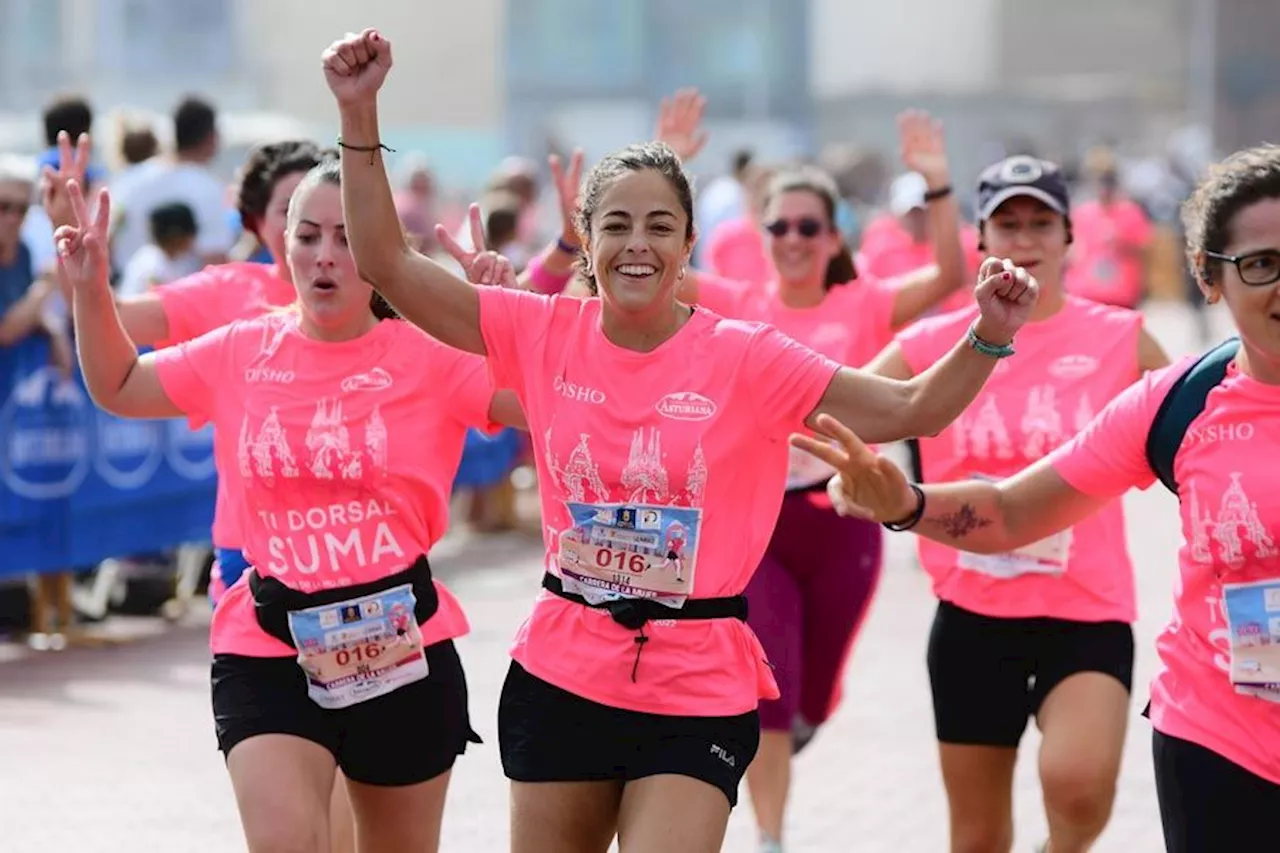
column 1255, row 268
column 805, row 227
column 18, row 207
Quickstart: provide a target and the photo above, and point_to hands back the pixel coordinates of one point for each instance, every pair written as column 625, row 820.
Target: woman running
column 338, row 433
column 1043, row 633
column 1208, row 428
column 630, row 706
column 820, row 571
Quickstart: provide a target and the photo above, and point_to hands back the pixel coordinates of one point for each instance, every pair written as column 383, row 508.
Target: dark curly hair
column 1246, row 177
column 656, row 156
column 329, row 171
column 265, row 166
column 808, row 179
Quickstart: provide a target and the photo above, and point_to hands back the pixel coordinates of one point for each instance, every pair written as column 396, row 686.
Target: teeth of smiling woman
column 636, row 269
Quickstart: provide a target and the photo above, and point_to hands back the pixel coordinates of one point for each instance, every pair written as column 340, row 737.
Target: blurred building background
column 481, row 78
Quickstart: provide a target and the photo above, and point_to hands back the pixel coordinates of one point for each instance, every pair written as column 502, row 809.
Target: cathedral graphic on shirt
column 1235, row 524
column 644, row 478
column 983, row 432
column 328, row 440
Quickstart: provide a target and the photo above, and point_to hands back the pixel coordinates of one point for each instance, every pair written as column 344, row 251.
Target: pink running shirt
column 1229, row 504
column 697, row 427
column 213, row 297
column 736, row 251
column 1066, row 369
column 1100, row 270
column 338, row 457
column 851, row 325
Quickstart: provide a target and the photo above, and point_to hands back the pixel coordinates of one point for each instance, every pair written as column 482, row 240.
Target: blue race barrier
column 79, row 486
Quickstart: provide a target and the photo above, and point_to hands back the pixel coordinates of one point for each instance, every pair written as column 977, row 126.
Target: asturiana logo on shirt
column 375, row 380
column 268, row 374
column 686, row 406
column 1073, row 366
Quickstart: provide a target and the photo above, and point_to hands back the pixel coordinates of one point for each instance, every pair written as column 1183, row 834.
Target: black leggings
column 1207, row 803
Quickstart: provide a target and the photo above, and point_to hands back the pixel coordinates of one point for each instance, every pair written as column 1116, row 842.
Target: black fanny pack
column 634, row 613
column 273, row 601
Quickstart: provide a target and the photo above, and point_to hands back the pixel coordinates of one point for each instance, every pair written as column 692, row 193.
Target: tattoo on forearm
column 962, row 522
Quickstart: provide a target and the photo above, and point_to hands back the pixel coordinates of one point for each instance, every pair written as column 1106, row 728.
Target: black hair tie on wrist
column 911, row 520
column 371, row 150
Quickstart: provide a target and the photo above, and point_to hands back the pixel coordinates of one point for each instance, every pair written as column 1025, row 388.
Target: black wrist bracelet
column 940, row 192
column 911, row 520
column 371, row 150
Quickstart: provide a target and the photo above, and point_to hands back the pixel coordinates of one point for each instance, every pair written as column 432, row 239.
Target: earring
column 680, row 277
column 1212, row 298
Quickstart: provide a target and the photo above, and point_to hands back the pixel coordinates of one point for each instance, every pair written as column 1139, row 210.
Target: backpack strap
column 1182, row 405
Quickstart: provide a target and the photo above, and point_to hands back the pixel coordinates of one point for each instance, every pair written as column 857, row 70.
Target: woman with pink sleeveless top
column 630, row 707
column 1213, row 706
column 1043, row 632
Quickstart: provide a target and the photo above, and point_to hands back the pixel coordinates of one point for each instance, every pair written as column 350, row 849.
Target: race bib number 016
column 1253, row 619
column 630, row 551
column 359, row 649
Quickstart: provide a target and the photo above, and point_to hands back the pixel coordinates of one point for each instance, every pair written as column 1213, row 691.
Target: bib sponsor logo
column 686, row 406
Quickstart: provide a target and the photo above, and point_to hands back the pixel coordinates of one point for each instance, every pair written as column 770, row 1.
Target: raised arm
column 118, row 381
column 924, row 151
column 971, row 515
column 142, row 316
column 423, row 292
column 883, row 410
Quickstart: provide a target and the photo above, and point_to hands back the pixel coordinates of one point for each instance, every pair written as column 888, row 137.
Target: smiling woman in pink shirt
column 338, row 431
column 660, row 438
column 1211, row 429
column 1043, row 632
column 814, row 586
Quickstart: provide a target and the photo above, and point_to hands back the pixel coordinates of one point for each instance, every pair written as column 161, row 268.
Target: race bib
column 805, row 470
column 359, row 649
column 1253, row 620
column 630, row 551
column 1046, row 557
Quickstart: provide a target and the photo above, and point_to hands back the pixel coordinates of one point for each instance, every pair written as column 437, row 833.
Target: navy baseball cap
column 1022, row 176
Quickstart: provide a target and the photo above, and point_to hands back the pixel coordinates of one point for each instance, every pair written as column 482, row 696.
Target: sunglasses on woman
column 805, row 227
column 1255, row 268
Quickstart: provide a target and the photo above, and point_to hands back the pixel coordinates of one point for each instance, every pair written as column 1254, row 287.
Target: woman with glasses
column 1207, row 428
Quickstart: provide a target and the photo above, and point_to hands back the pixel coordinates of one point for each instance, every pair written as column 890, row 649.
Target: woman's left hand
column 680, row 123
column 481, row 266
column 923, row 148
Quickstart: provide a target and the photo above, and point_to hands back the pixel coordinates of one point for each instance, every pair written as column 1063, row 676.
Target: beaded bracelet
column 987, row 348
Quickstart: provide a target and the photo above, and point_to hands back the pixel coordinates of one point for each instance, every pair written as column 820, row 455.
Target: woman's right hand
column 868, row 486
column 356, row 65
column 83, row 255
column 481, row 266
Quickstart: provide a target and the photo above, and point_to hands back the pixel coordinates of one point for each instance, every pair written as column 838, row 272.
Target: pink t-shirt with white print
column 204, row 301
column 1066, row 369
column 1229, row 505
column 338, row 458
column 696, row 429
column 851, row 325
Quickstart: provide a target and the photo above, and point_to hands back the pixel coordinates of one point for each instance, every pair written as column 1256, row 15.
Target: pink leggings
column 807, row 601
